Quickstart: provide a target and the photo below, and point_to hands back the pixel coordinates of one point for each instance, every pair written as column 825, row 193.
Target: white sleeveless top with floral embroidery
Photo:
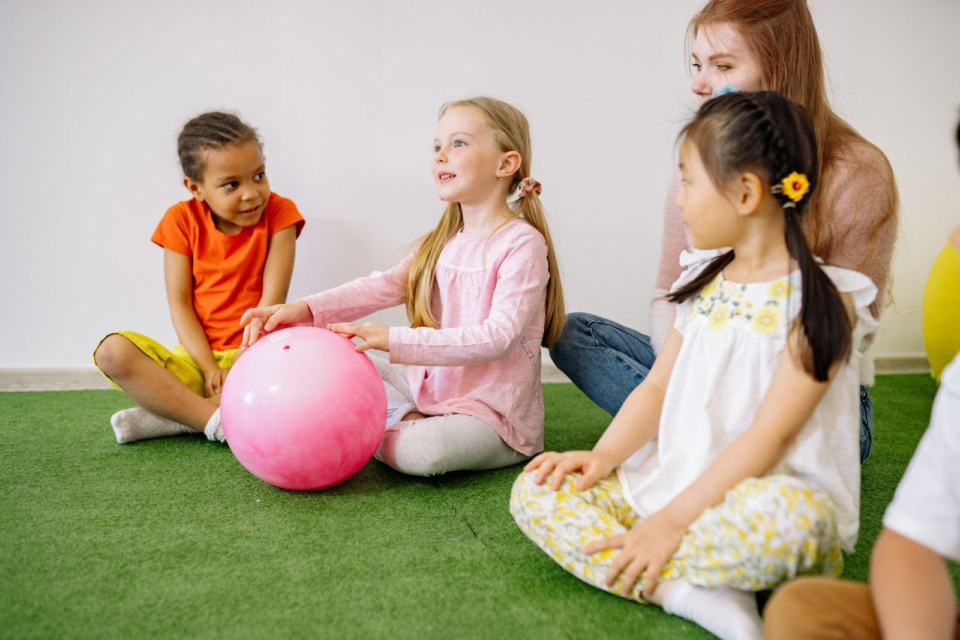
column 733, row 337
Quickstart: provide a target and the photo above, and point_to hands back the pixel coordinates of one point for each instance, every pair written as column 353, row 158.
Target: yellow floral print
column 767, row 320
column 719, row 317
column 779, row 289
column 709, row 290
column 766, row 530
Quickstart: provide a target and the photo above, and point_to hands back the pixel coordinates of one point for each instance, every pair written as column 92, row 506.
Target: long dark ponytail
column 769, row 134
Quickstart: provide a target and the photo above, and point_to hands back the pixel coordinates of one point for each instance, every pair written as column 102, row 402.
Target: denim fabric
column 607, row 361
column 604, row 359
column 866, row 424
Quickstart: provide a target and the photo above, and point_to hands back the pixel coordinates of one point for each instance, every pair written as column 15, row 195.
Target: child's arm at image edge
column 911, row 589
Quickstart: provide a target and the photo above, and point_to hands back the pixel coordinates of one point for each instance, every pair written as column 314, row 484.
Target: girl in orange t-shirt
column 229, row 248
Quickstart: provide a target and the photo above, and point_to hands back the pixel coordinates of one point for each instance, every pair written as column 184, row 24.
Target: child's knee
column 416, row 465
column 404, row 455
column 800, row 518
column 114, row 354
column 524, row 486
column 789, row 606
column 800, row 608
column 529, row 499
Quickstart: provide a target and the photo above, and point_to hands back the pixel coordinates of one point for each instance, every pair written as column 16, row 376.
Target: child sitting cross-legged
column 733, row 467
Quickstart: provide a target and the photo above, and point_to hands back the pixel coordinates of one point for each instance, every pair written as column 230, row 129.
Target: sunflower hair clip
column 795, row 186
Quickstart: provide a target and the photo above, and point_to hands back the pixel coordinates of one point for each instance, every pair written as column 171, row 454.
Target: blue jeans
column 607, row 361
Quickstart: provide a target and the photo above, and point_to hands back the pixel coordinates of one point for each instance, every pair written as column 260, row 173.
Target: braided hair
column 766, row 133
column 211, row 131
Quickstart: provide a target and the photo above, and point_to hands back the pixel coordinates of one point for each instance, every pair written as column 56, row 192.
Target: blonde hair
column 512, row 133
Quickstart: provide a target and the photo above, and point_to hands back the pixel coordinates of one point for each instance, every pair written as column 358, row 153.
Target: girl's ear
column 749, row 193
column 194, row 188
column 509, row 164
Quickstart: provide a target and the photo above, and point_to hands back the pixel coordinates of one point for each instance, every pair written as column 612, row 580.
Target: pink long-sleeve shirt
column 484, row 360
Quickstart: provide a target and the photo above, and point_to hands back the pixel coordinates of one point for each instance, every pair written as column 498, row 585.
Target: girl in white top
column 736, row 457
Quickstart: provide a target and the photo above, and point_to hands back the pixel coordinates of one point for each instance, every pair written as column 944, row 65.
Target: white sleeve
column 926, row 507
column 693, row 263
column 863, row 292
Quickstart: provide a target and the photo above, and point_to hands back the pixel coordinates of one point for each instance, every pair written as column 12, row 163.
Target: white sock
column 729, row 614
column 214, row 430
column 135, row 424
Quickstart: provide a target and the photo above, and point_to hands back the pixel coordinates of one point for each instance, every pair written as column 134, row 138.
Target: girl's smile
column 466, row 157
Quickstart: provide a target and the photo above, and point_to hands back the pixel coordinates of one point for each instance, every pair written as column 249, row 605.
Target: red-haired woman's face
column 720, row 57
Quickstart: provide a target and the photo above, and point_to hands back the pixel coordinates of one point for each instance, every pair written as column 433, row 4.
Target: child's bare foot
column 413, row 415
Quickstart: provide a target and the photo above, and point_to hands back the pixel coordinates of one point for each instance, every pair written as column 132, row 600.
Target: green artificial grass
column 173, row 538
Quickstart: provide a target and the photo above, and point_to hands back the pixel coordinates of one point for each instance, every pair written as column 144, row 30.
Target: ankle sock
column 214, row 430
column 729, row 614
column 135, row 424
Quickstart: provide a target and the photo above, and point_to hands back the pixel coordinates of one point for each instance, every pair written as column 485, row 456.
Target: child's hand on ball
column 374, row 336
column 266, row 319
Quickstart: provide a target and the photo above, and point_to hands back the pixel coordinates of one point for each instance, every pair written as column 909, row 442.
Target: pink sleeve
column 521, row 282
column 861, row 205
column 662, row 312
column 361, row 297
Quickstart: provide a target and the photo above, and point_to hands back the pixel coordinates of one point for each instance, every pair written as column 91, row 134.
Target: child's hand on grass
column 591, row 465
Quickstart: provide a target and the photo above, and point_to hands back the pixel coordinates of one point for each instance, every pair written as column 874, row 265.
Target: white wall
column 345, row 95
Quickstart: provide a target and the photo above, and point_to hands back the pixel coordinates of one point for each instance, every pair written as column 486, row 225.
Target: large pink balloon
column 302, row 410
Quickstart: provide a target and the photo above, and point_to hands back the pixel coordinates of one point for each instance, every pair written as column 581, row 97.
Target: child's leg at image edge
column 435, row 444
column 166, row 384
column 824, row 608
column 766, row 531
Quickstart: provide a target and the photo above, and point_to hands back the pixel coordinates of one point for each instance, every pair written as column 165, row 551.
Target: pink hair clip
column 527, row 185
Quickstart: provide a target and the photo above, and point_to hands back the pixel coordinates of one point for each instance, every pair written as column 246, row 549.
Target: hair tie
column 528, row 185
column 794, row 186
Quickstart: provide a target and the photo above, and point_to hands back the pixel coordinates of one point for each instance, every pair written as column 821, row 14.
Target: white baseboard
column 902, row 363
column 52, row 379
column 75, row 378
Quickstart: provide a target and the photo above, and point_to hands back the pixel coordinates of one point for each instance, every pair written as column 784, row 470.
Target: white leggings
column 435, row 444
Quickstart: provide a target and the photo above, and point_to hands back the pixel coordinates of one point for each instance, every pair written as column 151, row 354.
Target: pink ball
column 302, row 410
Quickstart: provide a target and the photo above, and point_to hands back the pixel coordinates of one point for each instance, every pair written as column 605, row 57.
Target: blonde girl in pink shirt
column 482, row 292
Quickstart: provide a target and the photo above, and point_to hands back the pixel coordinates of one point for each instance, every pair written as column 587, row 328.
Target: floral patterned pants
column 766, row 531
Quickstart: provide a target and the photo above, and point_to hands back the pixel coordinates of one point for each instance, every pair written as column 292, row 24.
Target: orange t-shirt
column 227, row 270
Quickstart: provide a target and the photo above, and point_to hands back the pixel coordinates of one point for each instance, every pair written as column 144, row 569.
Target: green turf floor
column 173, row 538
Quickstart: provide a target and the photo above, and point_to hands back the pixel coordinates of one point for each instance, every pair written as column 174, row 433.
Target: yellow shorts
column 177, row 361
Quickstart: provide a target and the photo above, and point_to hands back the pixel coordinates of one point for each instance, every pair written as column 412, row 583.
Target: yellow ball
column 941, row 311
